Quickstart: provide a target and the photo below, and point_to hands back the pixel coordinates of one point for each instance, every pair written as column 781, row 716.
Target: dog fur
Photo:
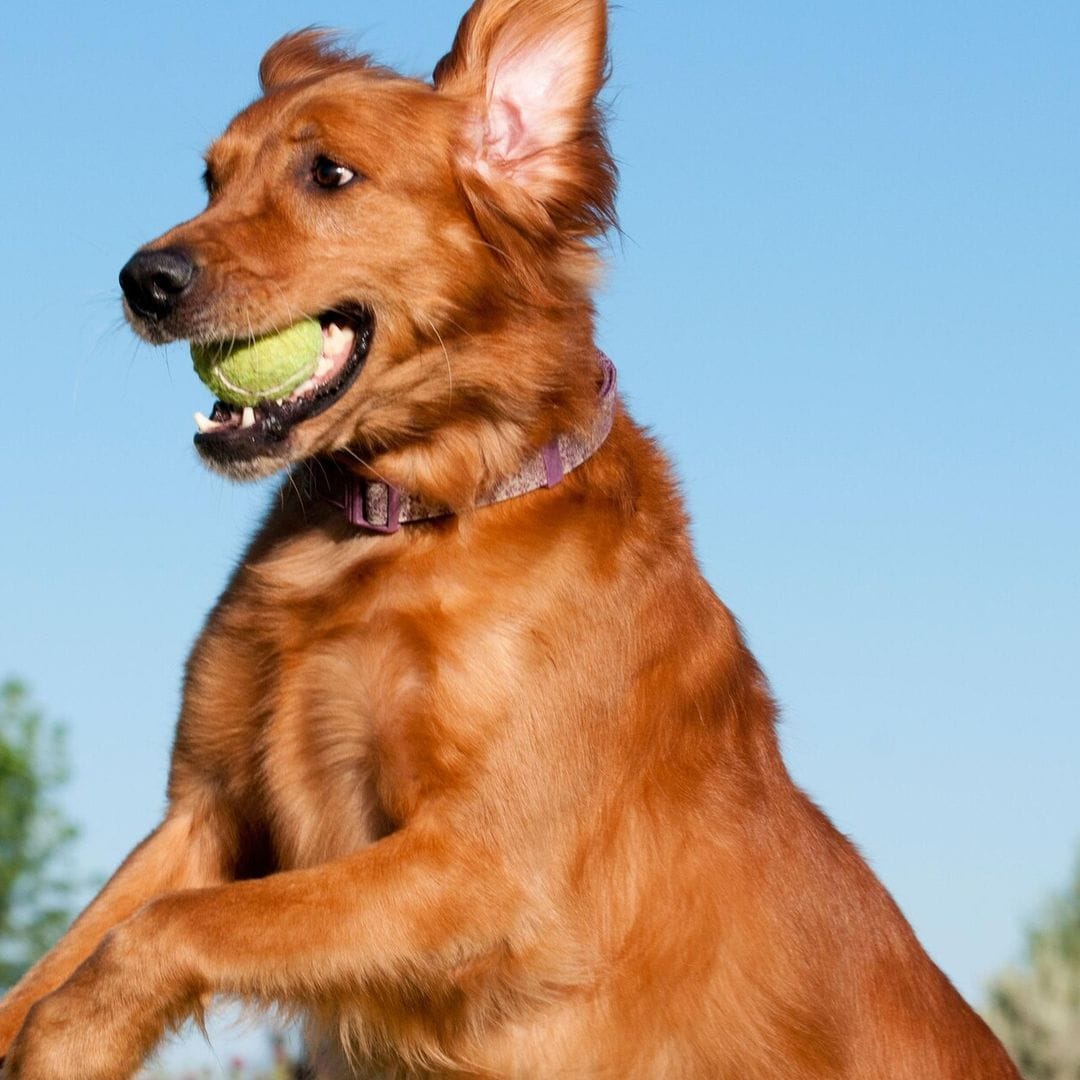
column 499, row 795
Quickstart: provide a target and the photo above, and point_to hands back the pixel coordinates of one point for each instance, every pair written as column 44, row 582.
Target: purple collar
column 377, row 507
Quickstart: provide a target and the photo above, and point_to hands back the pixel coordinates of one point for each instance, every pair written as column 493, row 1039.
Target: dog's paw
column 64, row 1038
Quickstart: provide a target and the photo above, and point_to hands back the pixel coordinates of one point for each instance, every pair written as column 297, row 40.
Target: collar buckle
column 364, row 500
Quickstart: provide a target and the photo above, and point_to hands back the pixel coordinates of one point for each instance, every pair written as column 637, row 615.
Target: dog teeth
column 248, row 418
column 337, row 344
column 205, row 425
column 333, row 337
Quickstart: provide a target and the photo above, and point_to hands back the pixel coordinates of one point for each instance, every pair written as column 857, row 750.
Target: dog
column 474, row 773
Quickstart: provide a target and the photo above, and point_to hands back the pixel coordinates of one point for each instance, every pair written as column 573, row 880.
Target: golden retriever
column 474, row 771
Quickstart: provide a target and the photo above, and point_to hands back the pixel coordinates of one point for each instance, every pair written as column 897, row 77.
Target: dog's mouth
column 235, row 432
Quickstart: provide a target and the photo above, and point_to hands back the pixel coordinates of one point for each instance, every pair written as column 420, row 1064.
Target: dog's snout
column 153, row 281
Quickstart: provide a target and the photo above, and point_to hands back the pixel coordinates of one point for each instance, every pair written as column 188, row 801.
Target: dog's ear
column 530, row 71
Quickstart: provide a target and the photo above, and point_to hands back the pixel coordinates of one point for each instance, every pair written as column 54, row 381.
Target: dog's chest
column 339, row 751
column 360, row 710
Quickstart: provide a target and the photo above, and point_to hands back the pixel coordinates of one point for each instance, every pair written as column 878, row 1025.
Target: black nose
column 153, row 281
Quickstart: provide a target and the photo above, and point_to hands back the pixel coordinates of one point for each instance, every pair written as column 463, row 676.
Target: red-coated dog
column 473, row 772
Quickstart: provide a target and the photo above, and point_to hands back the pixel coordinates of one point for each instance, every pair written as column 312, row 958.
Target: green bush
column 1035, row 1008
column 35, row 837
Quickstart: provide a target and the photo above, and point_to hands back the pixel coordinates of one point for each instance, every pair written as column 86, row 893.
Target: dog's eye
column 329, row 174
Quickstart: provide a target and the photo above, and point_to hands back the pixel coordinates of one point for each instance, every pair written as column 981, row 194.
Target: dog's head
column 442, row 232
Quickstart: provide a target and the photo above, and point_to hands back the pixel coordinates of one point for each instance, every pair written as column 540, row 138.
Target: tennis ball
column 266, row 369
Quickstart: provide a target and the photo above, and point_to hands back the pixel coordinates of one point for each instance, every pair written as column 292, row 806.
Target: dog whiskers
column 367, row 465
column 449, row 368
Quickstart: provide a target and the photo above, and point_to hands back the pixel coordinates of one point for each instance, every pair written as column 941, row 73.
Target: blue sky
column 846, row 301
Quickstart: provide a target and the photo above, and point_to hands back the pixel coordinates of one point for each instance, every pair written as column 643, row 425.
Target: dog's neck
column 373, row 505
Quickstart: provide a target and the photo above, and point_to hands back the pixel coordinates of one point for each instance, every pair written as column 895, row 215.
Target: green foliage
column 35, row 889
column 1035, row 1009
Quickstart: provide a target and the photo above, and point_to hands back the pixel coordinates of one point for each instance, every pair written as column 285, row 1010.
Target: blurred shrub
column 35, row 885
column 1035, row 1008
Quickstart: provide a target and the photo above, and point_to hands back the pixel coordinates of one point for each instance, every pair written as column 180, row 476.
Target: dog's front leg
column 411, row 902
column 182, row 852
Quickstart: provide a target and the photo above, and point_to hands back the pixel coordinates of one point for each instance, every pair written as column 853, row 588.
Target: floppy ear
column 531, row 71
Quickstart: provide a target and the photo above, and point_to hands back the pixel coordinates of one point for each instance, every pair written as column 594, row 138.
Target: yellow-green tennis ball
column 266, row 369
